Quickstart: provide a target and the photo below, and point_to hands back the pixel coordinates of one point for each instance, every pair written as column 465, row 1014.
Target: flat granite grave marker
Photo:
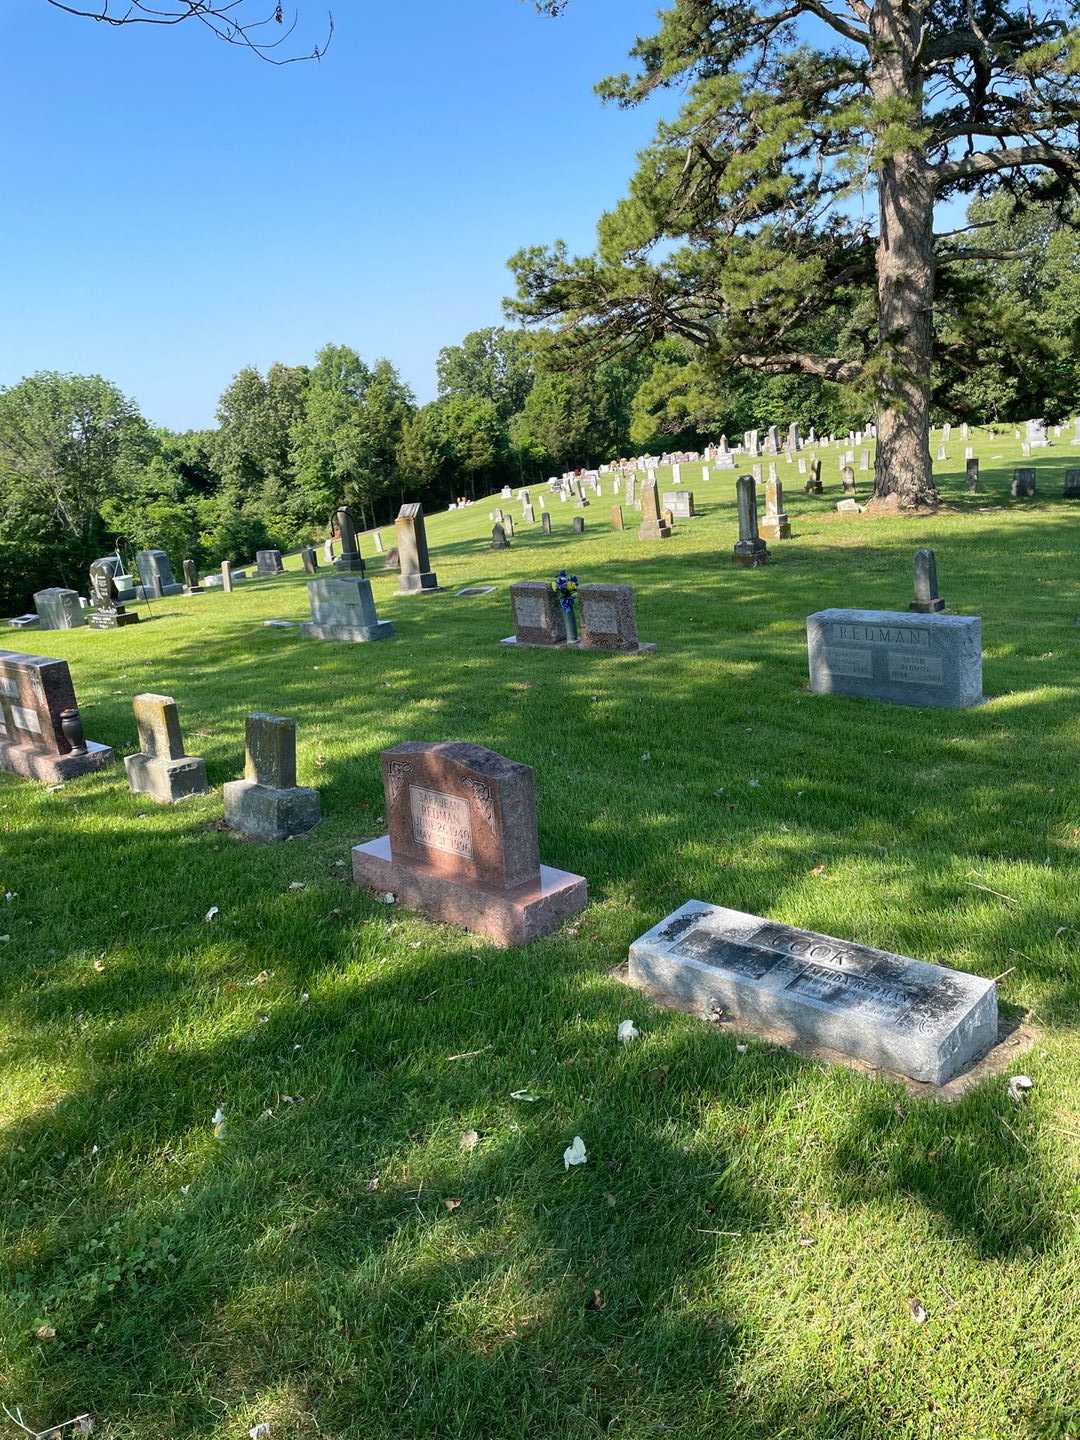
column 462, row 844
column 268, row 804
column 161, row 769
column 893, row 655
column 919, row 1020
column 342, row 608
column 41, row 732
column 417, row 577
column 58, row 608
column 538, row 615
column 607, row 619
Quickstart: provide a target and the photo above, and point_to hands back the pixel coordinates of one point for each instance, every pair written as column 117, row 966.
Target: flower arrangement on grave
column 566, row 587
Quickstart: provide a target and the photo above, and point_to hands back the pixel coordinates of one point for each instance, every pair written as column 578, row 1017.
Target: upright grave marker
column 191, row 578
column 1071, row 489
column 106, row 612
column 899, row 1014
column 893, row 655
column 1023, row 482
column 462, row 844
column 155, row 574
column 680, row 503
column 41, row 732
column 268, row 562
column 538, row 615
column 268, row 804
column 652, row 524
column 350, row 561
column 750, row 549
column 775, row 525
column 607, row 619
column 417, row 576
column 971, row 469
column 926, row 600
column 498, row 536
column 161, row 769
column 58, row 608
column 342, row 608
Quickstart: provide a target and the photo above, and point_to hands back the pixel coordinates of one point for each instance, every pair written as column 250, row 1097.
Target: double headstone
column 342, row 608
column 161, row 769
column 268, row 562
column 750, row 549
column 41, row 733
column 896, row 656
column 58, row 608
column 462, row 844
column 417, row 576
column 268, row 804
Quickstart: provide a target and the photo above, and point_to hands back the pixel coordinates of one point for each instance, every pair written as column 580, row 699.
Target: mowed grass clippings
column 757, row 1245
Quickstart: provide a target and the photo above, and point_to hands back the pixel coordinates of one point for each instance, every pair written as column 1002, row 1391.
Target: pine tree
column 741, row 231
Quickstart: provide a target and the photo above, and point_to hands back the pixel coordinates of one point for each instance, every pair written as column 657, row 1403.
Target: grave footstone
column 417, row 576
column 268, row 804
column 106, row 612
column 41, row 731
column 926, row 598
column 58, row 608
column 750, row 549
column 25, row 622
column 161, row 769
column 350, row 561
column 462, row 844
column 342, row 608
column 268, row 562
column 917, row 1019
column 892, row 655
column 607, row 619
column 1023, row 482
column 775, row 524
column 538, row 615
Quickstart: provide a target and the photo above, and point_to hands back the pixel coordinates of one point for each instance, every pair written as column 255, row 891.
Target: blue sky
column 174, row 209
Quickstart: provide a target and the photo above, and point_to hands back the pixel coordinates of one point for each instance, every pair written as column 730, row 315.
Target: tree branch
column 825, row 366
column 989, row 162
column 216, row 15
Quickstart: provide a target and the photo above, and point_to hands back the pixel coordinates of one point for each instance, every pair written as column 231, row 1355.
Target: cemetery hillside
column 540, row 862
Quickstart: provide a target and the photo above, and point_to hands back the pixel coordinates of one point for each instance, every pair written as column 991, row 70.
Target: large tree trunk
column 905, row 271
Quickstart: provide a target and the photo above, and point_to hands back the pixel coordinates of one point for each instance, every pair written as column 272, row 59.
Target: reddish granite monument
column 462, row 846
column 41, row 734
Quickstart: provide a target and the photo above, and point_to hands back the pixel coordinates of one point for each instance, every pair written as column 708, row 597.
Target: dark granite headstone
column 919, row 1020
column 750, row 549
column 155, row 574
column 607, row 618
column 350, row 560
column 417, row 576
column 971, row 469
column 1023, row 482
column 106, row 611
column 1072, row 484
column 268, row 562
column 926, row 600
column 462, row 844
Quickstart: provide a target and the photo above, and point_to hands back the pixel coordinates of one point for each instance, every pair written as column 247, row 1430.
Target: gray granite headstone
column 896, row 1013
column 1023, row 482
column 1072, row 484
column 58, row 608
column 896, row 656
column 680, row 503
column 156, row 575
column 342, row 608
column 268, row 562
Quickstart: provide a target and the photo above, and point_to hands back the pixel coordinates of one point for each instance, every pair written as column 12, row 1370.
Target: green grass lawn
column 739, row 1255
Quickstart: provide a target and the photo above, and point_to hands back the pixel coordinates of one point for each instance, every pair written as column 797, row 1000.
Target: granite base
column 264, row 813
column 166, row 781
column 34, row 764
column 512, row 917
column 348, row 634
column 424, row 582
column 654, row 532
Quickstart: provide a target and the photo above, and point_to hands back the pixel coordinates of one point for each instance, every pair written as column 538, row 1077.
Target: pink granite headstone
column 41, row 735
column 462, row 844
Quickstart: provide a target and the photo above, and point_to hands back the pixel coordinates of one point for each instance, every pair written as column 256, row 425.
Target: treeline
column 81, row 469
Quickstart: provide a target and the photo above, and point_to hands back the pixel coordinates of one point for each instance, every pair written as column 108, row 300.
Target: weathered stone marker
column 926, row 599
column 191, row 578
column 41, row 733
column 268, row 562
column 156, row 575
column 417, row 577
column 617, row 518
column 579, row 524
column 538, row 615
column 160, row 768
column 607, row 619
column 1023, row 482
column 847, row 476
column 498, row 537
column 813, row 485
column 58, row 608
column 350, row 561
column 899, row 1014
column 680, row 503
column 545, row 522
column 971, row 468
column 1071, row 489
column 309, row 560
column 462, row 844
column 775, row 525
column 896, row 656
column 226, row 577
column 268, row 804
column 652, row 524
column 342, row 608
column 377, row 541
column 750, row 549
